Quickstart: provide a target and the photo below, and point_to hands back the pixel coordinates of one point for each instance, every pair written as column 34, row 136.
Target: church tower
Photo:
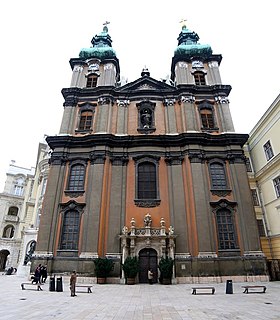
column 149, row 169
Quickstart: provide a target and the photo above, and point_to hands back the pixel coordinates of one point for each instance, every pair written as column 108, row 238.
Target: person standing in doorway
column 150, row 276
column 73, row 280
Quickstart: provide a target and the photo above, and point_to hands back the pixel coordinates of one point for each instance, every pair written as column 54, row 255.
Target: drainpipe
column 268, row 231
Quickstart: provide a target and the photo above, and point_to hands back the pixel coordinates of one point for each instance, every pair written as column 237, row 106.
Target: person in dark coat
column 44, row 274
column 37, row 275
column 73, row 280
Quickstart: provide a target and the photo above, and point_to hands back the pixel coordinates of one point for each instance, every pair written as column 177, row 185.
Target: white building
column 20, row 206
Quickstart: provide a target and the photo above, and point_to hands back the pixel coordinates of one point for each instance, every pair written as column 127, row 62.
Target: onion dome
column 101, row 47
column 189, row 47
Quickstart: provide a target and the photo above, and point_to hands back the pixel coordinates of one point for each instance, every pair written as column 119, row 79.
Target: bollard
column 52, row 284
column 229, row 288
column 59, row 284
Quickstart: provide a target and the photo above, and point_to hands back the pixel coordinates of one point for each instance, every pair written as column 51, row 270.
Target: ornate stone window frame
column 80, row 192
column 224, row 204
column 65, row 208
column 224, row 190
column 82, row 108
column 207, row 105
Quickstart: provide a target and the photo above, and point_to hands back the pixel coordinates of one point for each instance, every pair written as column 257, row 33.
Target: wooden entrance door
column 147, row 259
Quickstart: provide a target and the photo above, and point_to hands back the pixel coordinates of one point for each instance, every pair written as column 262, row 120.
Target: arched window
column 70, row 231
column 9, row 231
column 199, row 78
column 76, row 178
column 207, row 119
column 91, row 81
column 147, row 181
column 86, row 120
column 13, row 211
column 226, row 230
column 218, row 176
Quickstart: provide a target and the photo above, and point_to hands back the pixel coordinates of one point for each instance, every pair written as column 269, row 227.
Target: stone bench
column 246, row 289
column 38, row 285
column 195, row 289
column 88, row 286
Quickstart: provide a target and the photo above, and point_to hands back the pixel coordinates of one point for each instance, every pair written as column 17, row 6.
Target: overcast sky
column 39, row 37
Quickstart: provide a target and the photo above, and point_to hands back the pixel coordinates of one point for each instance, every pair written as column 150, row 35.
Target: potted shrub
column 166, row 269
column 103, row 266
column 130, row 268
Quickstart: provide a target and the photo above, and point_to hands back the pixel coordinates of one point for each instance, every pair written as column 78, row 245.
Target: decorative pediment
column 145, row 84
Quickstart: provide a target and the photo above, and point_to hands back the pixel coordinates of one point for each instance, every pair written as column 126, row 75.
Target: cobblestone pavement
column 140, row 301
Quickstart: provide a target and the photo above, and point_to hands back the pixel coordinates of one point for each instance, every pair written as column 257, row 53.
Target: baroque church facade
column 149, row 169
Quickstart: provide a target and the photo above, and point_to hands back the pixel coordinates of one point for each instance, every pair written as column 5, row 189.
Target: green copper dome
column 101, row 47
column 189, row 47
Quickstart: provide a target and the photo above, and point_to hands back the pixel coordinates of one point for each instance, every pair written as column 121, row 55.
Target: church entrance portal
column 147, row 259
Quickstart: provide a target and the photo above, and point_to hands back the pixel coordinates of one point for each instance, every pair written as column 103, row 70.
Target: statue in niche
column 147, row 220
column 146, row 118
column 30, row 252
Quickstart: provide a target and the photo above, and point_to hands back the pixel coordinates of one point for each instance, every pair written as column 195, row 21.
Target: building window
column 76, row 178
column 86, row 120
column 91, row 81
column 13, row 211
column 147, row 184
column 255, row 197
column 70, row 231
column 268, row 150
column 18, row 187
column 276, row 183
column 218, row 176
column 44, row 185
column 226, row 230
column 207, row 119
column 199, row 78
column 8, row 232
column 261, row 228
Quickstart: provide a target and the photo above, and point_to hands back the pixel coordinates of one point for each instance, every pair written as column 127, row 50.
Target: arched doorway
column 3, row 259
column 147, row 259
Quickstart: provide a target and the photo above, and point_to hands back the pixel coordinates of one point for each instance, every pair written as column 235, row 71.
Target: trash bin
column 59, row 284
column 229, row 289
column 52, row 284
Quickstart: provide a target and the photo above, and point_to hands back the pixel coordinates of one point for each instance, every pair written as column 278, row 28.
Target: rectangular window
column 77, row 178
column 18, row 191
column 268, row 150
column 207, row 119
column 255, row 197
column 218, row 176
column 147, row 181
column 85, row 120
column 276, row 183
column 70, row 231
column 226, row 230
column 261, row 228
column 91, row 82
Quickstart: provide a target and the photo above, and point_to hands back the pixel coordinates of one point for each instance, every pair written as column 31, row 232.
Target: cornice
column 202, row 139
column 155, row 91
